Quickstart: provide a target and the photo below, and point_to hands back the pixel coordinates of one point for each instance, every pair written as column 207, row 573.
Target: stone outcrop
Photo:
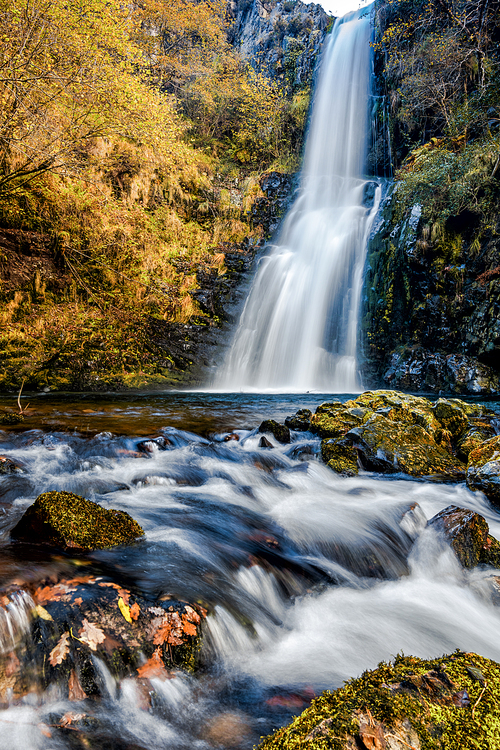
column 65, row 520
column 483, row 469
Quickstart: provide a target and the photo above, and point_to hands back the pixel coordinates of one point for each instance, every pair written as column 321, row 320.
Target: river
column 309, row 578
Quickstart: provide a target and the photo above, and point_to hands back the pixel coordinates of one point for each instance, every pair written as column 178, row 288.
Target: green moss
column 66, row 520
column 340, row 456
column 411, row 695
column 485, row 452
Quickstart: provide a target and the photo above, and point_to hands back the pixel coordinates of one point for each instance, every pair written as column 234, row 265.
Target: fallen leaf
column 154, row 667
column 162, row 634
column 124, row 610
column 188, row 627
column 41, row 612
column 75, row 690
column 45, row 594
column 60, row 652
column 78, row 601
column 69, row 717
column 91, row 635
column 135, row 611
column 81, row 579
column 192, row 615
column 156, row 610
column 125, row 595
column 109, row 585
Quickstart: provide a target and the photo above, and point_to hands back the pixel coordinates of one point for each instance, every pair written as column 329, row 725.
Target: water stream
column 309, row 578
column 298, row 329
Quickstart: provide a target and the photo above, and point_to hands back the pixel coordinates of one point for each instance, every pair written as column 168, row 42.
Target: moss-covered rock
column 465, row 531
column 448, row 703
column 340, row 456
column 8, row 466
column 11, row 418
column 451, row 416
column 62, row 519
column 483, row 469
column 279, row 431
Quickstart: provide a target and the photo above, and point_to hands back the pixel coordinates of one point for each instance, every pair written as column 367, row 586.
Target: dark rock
column 62, row 519
column 11, row 418
column 8, row 466
column 483, row 469
column 265, row 443
column 233, row 436
column 280, row 432
column 151, row 444
column 300, row 421
column 465, row 531
column 369, row 190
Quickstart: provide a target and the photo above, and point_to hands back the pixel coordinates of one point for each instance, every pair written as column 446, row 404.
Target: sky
column 339, row 7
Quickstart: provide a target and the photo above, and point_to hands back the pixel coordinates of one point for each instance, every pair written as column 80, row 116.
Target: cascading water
column 298, row 329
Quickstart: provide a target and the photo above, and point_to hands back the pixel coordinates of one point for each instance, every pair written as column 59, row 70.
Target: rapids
column 309, row 578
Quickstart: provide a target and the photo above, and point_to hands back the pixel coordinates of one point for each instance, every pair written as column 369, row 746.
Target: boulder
column 62, row 519
column 452, row 417
column 300, row 421
column 465, row 531
column 280, row 432
column 75, row 620
column 409, row 703
column 483, row 469
column 11, row 418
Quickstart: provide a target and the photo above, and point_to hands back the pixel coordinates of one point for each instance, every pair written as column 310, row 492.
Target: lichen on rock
column 62, row 519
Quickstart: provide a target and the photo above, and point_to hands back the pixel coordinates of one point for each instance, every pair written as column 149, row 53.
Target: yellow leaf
column 42, row 612
column 124, row 610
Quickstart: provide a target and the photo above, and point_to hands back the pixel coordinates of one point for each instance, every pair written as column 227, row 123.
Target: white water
column 298, row 330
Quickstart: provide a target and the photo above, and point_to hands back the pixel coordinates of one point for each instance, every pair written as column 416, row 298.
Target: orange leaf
column 188, row 627
column 60, row 652
column 134, row 611
column 69, row 717
column 124, row 594
column 75, row 690
column 91, row 635
column 162, row 634
column 78, row 601
column 154, row 667
column 191, row 615
column 44, row 729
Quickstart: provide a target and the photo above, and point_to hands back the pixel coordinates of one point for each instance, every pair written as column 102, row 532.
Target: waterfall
column 298, row 329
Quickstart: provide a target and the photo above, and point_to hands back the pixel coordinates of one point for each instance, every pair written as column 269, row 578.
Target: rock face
column 465, row 531
column 442, row 703
column 62, row 519
column 431, row 303
column 283, row 39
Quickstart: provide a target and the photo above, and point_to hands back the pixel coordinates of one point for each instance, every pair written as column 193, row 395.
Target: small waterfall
column 298, row 330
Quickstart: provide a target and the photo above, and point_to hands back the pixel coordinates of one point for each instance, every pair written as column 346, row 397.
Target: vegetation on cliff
column 130, row 140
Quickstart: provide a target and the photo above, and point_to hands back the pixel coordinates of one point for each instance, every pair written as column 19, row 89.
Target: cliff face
column 431, row 315
column 279, row 38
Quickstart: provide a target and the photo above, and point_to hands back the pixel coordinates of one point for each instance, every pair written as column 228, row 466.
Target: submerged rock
column 8, row 466
column 410, row 703
column 279, row 431
column 62, row 519
column 483, row 469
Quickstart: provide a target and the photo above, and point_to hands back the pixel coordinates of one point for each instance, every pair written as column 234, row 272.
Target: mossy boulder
column 448, row 703
column 62, row 519
column 11, row 418
column 483, row 469
column 389, row 446
column 465, row 531
column 340, row 456
column 279, row 431
column 452, row 417
column 300, row 421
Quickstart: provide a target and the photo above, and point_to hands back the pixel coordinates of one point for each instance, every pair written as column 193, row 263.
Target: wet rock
column 410, row 703
column 265, row 443
column 300, row 421
column 62, row 519
column 149, row 445
column 465, row 531
column 231, row 730
column 483, row 469
column 233, row 436
column 8, row 466
column 76, row 620
column 452, row 417
column 389, row 446
column 490, row 553
column 340, row 456
column 333, row 419
column 279, row 431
